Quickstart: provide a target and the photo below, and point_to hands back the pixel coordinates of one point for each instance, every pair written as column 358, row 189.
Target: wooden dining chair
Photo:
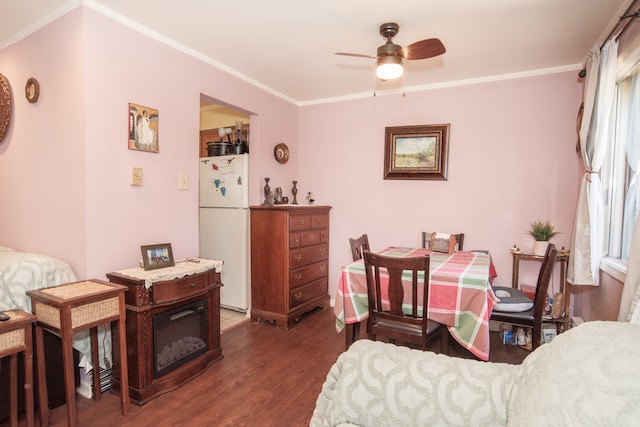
column 358, row 246
column 391, row 321
column 531, row 318
column 426, row 240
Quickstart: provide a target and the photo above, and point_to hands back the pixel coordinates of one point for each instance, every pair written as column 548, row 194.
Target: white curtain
column 595, row 133
column 632, row 201
column 631, row 290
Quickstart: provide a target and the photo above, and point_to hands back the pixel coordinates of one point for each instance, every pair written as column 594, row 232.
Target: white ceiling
column 288, row 46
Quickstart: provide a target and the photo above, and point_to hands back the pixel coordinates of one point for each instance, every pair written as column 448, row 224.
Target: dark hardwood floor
column 267, row 377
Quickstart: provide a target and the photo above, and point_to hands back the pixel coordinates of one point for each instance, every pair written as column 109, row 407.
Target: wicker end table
column 16, row 337
column 74, row 307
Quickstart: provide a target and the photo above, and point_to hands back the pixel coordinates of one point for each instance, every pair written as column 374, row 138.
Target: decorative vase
column 540, row 247
column 294, row 191
column 267, row 192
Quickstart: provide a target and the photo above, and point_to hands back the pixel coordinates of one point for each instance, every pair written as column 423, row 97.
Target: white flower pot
column 540, row 247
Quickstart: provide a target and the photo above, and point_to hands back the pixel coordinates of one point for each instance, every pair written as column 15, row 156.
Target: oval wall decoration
column 5, row 106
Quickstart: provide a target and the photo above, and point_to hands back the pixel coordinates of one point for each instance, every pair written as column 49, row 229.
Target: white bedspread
column 588, row 376
column 21, row 272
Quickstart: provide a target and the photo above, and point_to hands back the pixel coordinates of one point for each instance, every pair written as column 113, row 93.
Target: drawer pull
column 301, row 222
column 298, row 276
column 297, row 257
column 323, row 251
column 298, row 296
column 311, row 237
column 193, row 285
column 323, row 268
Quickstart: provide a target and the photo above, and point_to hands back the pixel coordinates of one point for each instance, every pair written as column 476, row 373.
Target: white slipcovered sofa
column 589, row 375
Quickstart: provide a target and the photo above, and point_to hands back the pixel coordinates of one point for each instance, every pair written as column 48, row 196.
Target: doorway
column 219, row 122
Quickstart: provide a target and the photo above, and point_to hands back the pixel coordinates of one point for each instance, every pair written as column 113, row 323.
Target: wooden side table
column 565, row 286
column 74, row 307
column 16, row 337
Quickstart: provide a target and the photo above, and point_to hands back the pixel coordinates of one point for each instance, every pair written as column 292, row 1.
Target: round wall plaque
column 281, row 153
column 32, row 90
column 5, row 106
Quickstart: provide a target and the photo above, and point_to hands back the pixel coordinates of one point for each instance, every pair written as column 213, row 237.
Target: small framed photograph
column 416, row 152
column 143, row 128
column 157, row 256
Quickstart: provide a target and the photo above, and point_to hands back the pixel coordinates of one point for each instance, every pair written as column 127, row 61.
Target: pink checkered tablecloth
column 460, row 294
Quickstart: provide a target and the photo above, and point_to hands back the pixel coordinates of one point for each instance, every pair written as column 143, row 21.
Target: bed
column 21, row 272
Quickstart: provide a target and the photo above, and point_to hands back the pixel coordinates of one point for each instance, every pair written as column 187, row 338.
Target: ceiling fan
column 389, row 56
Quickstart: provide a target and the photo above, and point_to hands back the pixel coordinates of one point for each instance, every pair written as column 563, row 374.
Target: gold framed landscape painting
column 416, row 152
column 143, row 128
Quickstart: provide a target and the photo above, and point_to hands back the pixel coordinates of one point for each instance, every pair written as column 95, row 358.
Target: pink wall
column 512, row 160
column 75, row 200
column 123, row 66
column 42, row 166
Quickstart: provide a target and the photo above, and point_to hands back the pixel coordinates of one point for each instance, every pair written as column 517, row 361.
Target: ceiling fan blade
column 359, row 55
column 423, row 49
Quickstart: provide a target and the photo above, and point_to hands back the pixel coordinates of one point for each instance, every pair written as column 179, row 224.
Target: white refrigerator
column 224, row 224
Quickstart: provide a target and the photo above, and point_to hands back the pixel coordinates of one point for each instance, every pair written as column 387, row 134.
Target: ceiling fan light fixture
column 389, row 67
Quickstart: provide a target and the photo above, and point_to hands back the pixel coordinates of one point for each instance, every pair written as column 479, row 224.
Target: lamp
column 389, row 67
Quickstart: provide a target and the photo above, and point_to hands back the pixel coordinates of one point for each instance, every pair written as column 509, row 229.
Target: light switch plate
column 183, row 181
column 136, row 176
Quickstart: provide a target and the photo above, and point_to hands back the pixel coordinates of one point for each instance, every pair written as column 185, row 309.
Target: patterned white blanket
column 588, row 375
column 21, row 272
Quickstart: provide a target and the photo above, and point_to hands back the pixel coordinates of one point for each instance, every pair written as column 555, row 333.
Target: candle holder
column 294, row 191
column 267, row 193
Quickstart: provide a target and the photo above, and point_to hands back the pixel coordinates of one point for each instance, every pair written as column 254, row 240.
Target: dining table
column 460, row 295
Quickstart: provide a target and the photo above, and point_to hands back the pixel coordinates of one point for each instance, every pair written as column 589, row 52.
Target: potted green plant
column 542, row 232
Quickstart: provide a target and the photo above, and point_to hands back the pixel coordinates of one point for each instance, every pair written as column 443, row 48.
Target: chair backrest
column 358, row 246
column 542, row 287
column 426, row 240
column 395, row 267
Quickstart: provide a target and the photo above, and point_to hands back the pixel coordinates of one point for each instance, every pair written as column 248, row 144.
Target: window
column 620, row 172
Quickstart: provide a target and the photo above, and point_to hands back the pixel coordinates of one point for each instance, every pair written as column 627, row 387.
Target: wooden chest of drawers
column 289, row 262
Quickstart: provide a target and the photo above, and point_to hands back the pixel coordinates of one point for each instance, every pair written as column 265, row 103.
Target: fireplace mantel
column 143, row 303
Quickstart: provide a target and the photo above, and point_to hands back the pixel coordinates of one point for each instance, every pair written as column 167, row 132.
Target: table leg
column 352, row 332
column 69, row 378
column 43, row 397
column 13, row 389
column 95, row 363
column 125, row 402
column 28, row 375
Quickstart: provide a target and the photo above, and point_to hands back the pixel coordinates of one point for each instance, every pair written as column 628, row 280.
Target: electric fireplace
column 179, row 335
column 173, row 331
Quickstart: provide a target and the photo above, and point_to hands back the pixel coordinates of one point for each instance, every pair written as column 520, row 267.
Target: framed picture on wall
column 416, row 152
column 157, row 256
column 143, row 128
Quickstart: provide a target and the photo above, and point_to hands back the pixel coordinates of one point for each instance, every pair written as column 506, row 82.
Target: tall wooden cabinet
column 289, row 262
